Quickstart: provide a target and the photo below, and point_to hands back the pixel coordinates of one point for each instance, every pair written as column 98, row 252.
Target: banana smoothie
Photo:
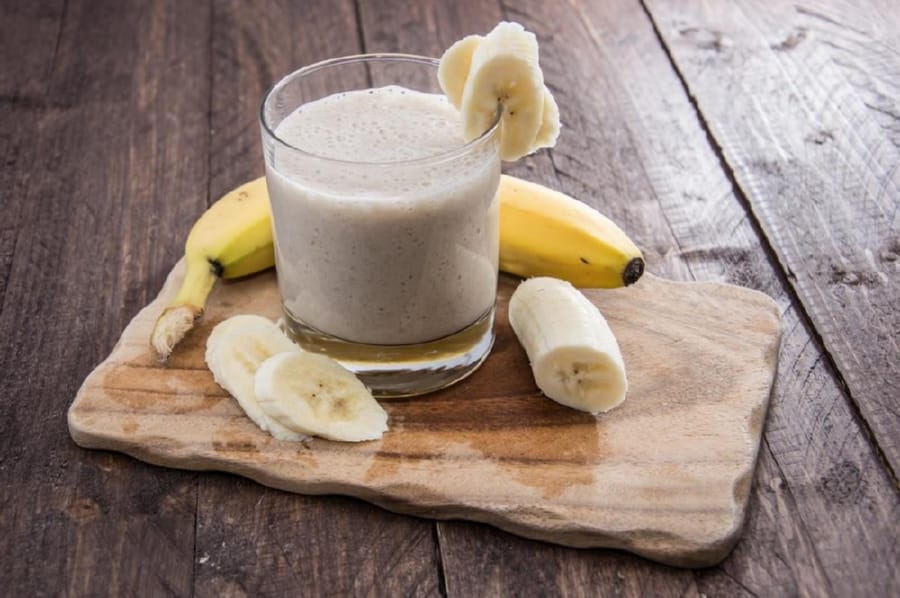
column 386, row 221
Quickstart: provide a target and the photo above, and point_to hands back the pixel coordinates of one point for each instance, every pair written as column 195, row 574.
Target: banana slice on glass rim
column 454, row 68
column 500, row 71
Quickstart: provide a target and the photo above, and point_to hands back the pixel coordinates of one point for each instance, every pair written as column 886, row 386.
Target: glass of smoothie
column 386, row 221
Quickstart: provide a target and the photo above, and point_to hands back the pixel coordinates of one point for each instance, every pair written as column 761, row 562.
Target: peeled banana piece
column 548, row 132
column 235, row 350
column 314, row 394
column 574, row 355
column 500, row 73
column 454, row 68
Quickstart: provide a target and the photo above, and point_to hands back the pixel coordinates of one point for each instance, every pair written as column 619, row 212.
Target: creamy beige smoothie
column 386, row 225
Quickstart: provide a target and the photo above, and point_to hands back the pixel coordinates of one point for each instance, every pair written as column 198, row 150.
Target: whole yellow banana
column 542, row 233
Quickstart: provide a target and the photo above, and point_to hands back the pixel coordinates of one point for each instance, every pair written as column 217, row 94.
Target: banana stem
column 633, row 271
column 178, row 318
column 199, row 280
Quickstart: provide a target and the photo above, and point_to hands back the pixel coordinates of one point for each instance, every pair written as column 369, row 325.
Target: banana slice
column 574, row 356
column 549, row 131
column 505, row 75
column 235, row 349
column 454, row 68
column 314, row 394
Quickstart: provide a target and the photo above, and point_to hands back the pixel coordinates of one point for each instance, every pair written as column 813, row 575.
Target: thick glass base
column 403, row 370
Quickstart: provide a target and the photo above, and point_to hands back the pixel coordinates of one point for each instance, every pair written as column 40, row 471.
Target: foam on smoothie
column 375, row 125
column 377, row 249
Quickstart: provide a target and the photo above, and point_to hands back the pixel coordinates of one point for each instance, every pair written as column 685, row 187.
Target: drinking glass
column 388, row 267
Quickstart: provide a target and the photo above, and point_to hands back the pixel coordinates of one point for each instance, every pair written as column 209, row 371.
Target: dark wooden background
column 751, row 142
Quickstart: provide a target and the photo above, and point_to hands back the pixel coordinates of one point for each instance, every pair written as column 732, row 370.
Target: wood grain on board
column 818, row 170
column 666, row 476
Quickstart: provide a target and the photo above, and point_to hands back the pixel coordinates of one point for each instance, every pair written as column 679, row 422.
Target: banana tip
column 170, row 328
column 633, row 271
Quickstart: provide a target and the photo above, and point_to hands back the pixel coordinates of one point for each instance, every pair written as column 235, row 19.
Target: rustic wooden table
column 751, row 142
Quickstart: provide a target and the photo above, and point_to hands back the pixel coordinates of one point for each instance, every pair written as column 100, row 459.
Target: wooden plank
column 798, row 534
column 283, row 544
column 819, row 172
column 28, row 49
column 429, row 28
column 253, row 47
column 632, row 145
column 476, row 559
column 483, row 561
column 119, row 98
column 251, row 540
column 23, row 86
column 861, row 39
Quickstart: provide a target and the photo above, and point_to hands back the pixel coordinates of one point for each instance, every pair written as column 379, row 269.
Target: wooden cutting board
column 666, row 475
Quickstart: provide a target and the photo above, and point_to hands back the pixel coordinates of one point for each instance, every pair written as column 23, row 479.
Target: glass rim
column 362, row 58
